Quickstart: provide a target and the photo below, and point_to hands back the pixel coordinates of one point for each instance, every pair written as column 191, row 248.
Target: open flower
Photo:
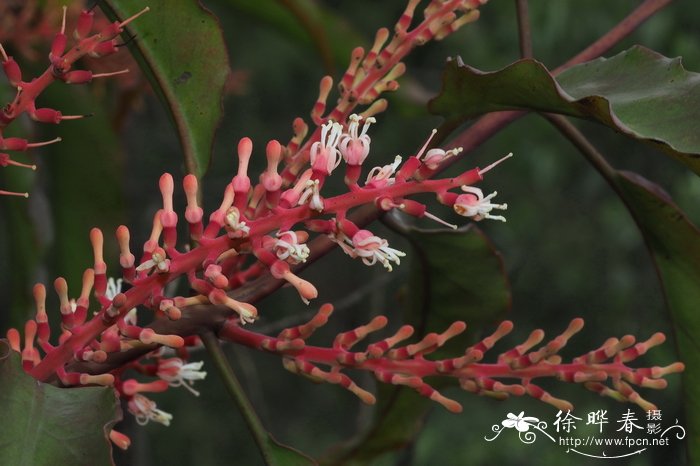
column 145, row 410
column 158, row 262
column 114, row 287
column 434, row 157
column 475, row 205
column 177, row 373
column 287, row 247
column 373, row 249
column 235, row 226
column 324, row 155
column 312, row 195
column 379, row 177
column 354, row 147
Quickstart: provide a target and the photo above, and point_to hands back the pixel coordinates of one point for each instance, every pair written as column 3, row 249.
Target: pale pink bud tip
column 101, row 379
column 305, row 289
column 327, row 83
column 377, row 323
column 123, row 236
column 245, row 148
column 455, row 329
column 13, row 338
column 364, row 396
column 96, row 237
column 148, row 336
column 39, row 292
column 167, row 187
column 273, row 150
column 504, row 328
column 61, row 287
column 190, row 185
column 451, row 405
column 676, row 367
column 655, row 340
column 119, row 439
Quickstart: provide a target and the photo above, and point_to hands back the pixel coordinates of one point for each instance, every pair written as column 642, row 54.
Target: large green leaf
column 675, row 246
column 43, row 425
column 181, row 49
column 638, row 92
column 455, row 275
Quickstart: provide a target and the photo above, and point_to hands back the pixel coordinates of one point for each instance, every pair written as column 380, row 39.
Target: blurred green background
column 570, row 248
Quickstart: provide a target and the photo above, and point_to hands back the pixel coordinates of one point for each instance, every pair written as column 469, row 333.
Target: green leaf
column 455, row 275
column 399, row 417
column 43, row 425
column 638, row 92
column 181, row 49
column 675, row 246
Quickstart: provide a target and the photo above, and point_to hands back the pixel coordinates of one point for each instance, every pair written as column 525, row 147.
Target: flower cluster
column 61, row 61
column 262, row 222
column 370, row 74
column 407, row 365
column 264, row 231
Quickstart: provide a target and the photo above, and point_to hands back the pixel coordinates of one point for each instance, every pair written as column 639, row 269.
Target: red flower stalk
column 407, row 365
column 372, row 73
column 257, row 221
column 60, row 68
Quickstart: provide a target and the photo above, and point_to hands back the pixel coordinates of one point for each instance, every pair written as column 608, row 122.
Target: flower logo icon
column 520, row 423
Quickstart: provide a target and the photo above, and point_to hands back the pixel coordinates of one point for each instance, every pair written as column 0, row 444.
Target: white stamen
column 494, row 164
column 439, row 220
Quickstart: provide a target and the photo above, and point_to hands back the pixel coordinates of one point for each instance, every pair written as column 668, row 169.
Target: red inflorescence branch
column 60, row 66
column 376, row 71
column 261, row 221
column 408, row 365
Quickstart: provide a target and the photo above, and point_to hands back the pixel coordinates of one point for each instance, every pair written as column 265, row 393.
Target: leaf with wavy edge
column 638, row 92
column 43, row 425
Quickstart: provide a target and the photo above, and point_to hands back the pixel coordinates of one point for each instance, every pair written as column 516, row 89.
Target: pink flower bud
column 104, row 48
column 84, row 24
column 12, row 71
column 47, row 115
column 58, row 46
column 78, row 77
